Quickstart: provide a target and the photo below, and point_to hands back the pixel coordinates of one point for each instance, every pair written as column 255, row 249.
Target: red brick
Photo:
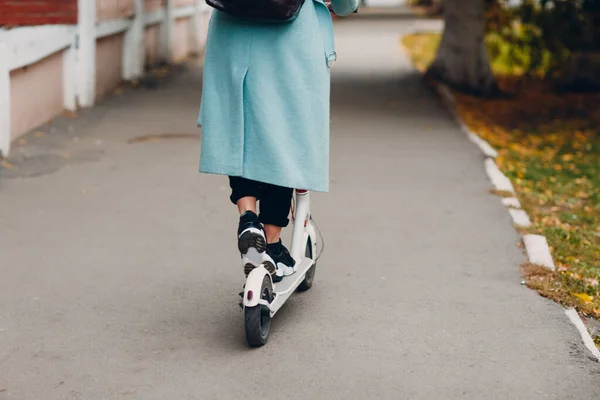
column 37, row 12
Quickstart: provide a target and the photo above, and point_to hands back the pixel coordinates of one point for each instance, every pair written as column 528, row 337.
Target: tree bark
column 461, row 60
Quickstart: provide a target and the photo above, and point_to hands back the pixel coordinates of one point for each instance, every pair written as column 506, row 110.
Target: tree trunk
column 461, row 60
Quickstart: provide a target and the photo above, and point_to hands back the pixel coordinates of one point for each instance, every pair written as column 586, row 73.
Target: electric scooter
column 262, row 298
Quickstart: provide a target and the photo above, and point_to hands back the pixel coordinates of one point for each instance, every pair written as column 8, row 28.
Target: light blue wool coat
column 265, row 98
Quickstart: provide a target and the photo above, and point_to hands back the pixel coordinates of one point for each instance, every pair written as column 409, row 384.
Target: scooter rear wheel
column 257, row 319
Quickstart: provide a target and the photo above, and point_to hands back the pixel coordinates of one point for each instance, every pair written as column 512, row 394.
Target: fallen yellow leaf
column 586, row 298
column 6, row 164
column 567, row 157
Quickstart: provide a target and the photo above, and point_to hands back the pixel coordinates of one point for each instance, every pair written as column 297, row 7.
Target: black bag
column 260, row 10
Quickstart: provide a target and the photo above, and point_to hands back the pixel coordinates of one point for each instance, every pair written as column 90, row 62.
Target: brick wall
column 37, row 12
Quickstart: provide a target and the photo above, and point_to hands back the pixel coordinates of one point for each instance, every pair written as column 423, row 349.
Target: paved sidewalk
column 120, row 275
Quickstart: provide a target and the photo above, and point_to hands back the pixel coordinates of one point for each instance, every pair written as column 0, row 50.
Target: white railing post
column 86, row 53
column 4, row 101
column 133, row 45
column 70, row 77
column 166, row 33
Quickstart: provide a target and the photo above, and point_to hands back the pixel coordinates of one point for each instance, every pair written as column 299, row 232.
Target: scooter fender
column 311, row 233
column 254, row 283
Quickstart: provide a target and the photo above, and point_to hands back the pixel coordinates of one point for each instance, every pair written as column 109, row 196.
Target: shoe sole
column 268, row 266
column 252, row 246
column 287, row 271
column 251, row 238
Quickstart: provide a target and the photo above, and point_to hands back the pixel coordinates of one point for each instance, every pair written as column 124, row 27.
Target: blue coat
column 265, row 98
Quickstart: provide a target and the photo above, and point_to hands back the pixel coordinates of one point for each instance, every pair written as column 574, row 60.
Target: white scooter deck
column 284, row 289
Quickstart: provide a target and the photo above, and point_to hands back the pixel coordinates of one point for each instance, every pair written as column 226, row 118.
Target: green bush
column 539, row 38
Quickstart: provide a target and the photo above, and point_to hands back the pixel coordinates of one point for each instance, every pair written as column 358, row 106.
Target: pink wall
column 36, row 94
column 180, row 3
column 109, row 60
column 204, row 21
column 151, row 35
column 151, row 5
column 111, row 9
column 151, row 44
column 181, row 39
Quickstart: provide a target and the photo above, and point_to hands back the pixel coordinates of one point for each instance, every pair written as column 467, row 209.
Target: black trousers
column 274, row 201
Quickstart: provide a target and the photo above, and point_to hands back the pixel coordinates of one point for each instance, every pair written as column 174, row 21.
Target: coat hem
column 223, row 171
column 227, row 170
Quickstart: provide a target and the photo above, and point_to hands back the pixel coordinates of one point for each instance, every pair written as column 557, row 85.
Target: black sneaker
column 283, row 260
column 252, row 244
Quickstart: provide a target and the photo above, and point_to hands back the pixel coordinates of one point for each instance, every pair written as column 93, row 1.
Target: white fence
column 22, row 47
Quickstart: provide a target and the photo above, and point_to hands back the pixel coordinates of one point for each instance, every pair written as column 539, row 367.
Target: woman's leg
column 247, row 203
column 255, row 246
column 244, row 193
column 252, row 242
column 273, row 233
column 275, row 204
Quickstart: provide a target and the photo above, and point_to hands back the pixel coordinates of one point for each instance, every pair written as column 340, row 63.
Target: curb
column 521, row 219
column 538, row 251
column 499, row 180
column 585, row 335
column 511, row 202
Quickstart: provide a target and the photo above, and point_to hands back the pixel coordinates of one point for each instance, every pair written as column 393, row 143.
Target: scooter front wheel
column 257, row 319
